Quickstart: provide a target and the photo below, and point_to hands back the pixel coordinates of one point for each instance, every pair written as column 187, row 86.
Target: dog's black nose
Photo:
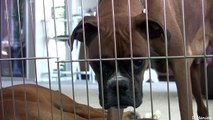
column 118, row 91
column 120, row 85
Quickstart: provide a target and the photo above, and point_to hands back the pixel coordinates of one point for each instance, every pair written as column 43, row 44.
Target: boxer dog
column 121, row 32
column 34, row 102
column 112, row 38
column 187, row 81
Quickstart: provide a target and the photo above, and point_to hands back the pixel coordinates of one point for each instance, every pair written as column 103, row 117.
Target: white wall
column 41, row 51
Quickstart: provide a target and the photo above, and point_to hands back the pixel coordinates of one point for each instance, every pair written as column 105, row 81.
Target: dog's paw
column 130, row 115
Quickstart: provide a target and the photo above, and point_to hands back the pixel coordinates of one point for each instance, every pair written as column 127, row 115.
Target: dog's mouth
column 116, row 105
column 121, row 104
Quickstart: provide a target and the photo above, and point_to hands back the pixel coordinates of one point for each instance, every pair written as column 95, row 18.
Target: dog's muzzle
column 118, row 92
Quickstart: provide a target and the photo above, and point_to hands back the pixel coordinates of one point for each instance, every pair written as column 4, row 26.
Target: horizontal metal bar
column 145, row 58
column 29, row 58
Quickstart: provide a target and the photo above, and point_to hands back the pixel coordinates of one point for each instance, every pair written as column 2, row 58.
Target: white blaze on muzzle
column 117, row 77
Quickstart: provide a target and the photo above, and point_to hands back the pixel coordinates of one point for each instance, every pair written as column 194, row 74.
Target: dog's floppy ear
column 155, row 28
column 90, row 30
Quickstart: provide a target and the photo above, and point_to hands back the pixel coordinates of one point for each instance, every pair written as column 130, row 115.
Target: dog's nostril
column 121, row 85
column 124, row 88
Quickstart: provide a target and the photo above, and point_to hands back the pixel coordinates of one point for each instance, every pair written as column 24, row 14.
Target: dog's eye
column 107, row 68
column 138, row 64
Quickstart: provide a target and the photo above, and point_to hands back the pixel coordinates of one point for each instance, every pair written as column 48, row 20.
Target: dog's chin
column 121, row 105
column 115, row 106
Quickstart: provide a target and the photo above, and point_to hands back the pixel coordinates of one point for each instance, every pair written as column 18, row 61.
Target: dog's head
column 112, row 45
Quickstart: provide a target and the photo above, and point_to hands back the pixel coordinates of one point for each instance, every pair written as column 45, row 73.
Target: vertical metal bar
column 1, row 93
column 20, row 40
column 100, row 56
column 85, row 57
column 149, row 56
column 204, row 50
column 47, row 50
column 46, row 40
column 185, row 56
column 22, row 53
column 116, row 58
column 9, row 55
column 167, row 62
column 31, row 23
column 55, row 29
column 60, row 91
column 1, row 86
column 45, row 34
column 131, row 57
column 32, row 29
column 1, row 83
column 68, row 13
